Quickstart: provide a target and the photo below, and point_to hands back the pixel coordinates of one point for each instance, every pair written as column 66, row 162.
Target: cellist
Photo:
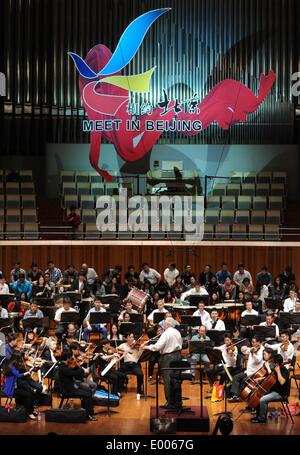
column 277, row 391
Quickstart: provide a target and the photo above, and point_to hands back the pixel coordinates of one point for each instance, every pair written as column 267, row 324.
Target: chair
column 222, row 232
column 26, row 175
column 2, row 216
column 1, row 231
column 233, row 189
column 111, row 188
column 227, row 217
column 13, row 231
column 259, row 202
column 70, row 200
column 95, row 177
column 258, row 217
column 249, row 177
column 141, row 235
column 277, row 189
column 264, row 177
column 97, row 189
column 1, row 188
column 69, row 188
column 228, row 202
column 89, row 216
column 272, row 232
column 157, row 234
column 87, row 201
column 219, row 189
column 31, row 231
column 275, row 203
column 67, row 176
column 239, row 232
column 256, row 232
column 27, row 188
column 262, row 189
column 12, row 188
column 296, row 377
column 13, row 201
column 13, row 216
column 2, row 202
column 242, row 217
column 236, row 177
column 29, row 216
column 273, row 217
column 212, row 216
column 213, row 202
column 83, row 188
column 280, row 177
column 248, row 189
column 244, row 202
column 91, row 232
column 28, row 201
column 285, row 402
column 82, row 177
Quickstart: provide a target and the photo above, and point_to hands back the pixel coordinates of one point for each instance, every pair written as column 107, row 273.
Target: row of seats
column 243, row 216
column 249, row 189
column 261, row 177
column 18, row 231
column 245, row 202
column 13, row 201
column 25, row 175
column 17, row 188
column 18, row 215
column 241, row 232
column 82, row 176
column 95, row 189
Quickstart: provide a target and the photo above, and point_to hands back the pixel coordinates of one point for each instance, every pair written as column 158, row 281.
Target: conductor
column 169, row 346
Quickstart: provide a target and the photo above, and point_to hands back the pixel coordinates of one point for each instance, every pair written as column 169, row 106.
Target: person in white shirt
column 241, row 274
column 66, row 308
column 229, row 354
column 285, row 348
column 204, row 315
column 289, row 304
column 3, row 312
column 169, row 346
column 4, row 289
column 269, row 322
column 128, row 309
column 91, row 273
column 197, row 290
column 249, row 310
column 131, row 362
column 215, row 323
column 254, row 363
column 170, row 274
column 160, row 309
column 97, row 308
column 148, row 274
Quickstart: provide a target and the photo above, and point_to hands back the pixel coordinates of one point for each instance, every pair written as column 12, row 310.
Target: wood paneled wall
column 102, row 257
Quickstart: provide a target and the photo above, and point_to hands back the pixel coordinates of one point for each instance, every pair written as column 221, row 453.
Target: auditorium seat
column 264, row 177
column 2, row 202
column 213, row 202
column 227, row 217
column 13, row 201
column 211, row 216
column 242, row 217
column 97, row 189
column 67, row 176
column 140, row 235
column 27, row 188
column 83, row 188
column 1, row 175
column 277, row 189
column 222, row 231
column 273, row 217
column 68, row 188
column 236, row 177
column 256, row 232
column 262, row 189
column 89, row 216
column 233, row 189
column 258, row 217
column 29, row 216
column 173, row 234
column 249, row 177
column 82, row 177
column 28, row 201
column 13, row 216
column 87, row 201
column 259, row 202
column 70, row 200
column 280, row 177
column 248, row 189
column 272, row 232
column 12, row 188
column 244, row 202
column 91, row 231
column 1, row 188
column 239, row 232
column 26, row 175
column 111, row 188
column 1, row 231
column 275, row 202
column 13, row 231
column 2, row 216
column 95, row 177
column 228, row 202
column 31, row 231
column 219, row 189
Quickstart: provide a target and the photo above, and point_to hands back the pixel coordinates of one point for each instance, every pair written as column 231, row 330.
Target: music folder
column 287, row 318
column 265, row 332
column 100, row 317
column 217, row 336
column 137, row 318
column 214, row 355
column 130, row 327
column 183, row 329
column 249, row 320
column 69, row 317
column 157, row 317
column 199, row 347
column 31, row 323
column 191, row 321
column 196, row 298
column 44, row 301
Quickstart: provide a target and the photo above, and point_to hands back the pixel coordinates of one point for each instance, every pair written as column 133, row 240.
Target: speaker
column 66, row 415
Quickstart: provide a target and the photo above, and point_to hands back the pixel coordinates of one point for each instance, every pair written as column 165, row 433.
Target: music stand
column 158, row 317
column 5, row 298
column 183, row 329
column 200, row 347
column 31, row 323
column 44, row 301
column 134, row 317
column 73, row 296
column 100, row 317
column 284, row 319
column 195, row 299
column 145, row 356
column 215, row 357
column 265, row 332
column 191, row 321
column 69, row 317
column 250, row 320
column 113, row 302
column 274, row 304
column 217, row 336
column 135, row 328
column 108, row 411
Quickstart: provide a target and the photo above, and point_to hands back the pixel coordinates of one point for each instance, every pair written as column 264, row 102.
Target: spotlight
column 224, row 424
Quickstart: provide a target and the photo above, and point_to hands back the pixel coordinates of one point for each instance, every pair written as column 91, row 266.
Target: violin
column 73, row 363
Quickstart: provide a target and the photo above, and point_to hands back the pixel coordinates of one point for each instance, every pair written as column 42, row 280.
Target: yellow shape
column 136, row 83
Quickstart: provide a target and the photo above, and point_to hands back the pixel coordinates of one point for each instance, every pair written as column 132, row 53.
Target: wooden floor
column 133, row 417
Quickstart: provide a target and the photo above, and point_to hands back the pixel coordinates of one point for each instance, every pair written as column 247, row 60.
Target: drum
column 138, row 298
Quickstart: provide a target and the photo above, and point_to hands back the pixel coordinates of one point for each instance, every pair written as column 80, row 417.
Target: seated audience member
column 187, row 274
column 229, row 287
column 214, row 287
column 170, row 274
column 66, row 308
column 160, row 309
column 215, row 323
column 91, row 273
column 54, row 272
column 73, row 219
column 246, row 286
column 16, row 271
column 149, row 274
column 162, row 288
column 22, row 285
column 131, row 275
column 222, row 274
column 205, row 316
column 98, row 289
column 169, row 298
column 4, row 289
column 289, row 303
column 205, row 276
column 34, row 273
column 263, row 278
column 287, row 276
column 114, row 287
column 179, row 287
column 214, row 299
column 197, row 290
column 269, row 322
column 240, row 275
column 97, row 308
column 33, row 312
column 70, row 273
column 277, row 289
column 128, row 309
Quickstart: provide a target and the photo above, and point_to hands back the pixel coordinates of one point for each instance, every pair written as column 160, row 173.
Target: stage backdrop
column 103, row 257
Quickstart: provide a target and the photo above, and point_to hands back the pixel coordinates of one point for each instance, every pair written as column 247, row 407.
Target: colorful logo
column 106, row 92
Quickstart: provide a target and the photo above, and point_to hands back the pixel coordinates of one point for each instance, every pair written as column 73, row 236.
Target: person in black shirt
column 206, row 276
column 287, row 276
column 115, row 377
column 131, row 275
column 186, row 276
column 34, row 273
column 277, row 392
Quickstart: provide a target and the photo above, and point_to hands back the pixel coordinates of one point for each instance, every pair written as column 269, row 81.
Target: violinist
column 51, row 355
column 11, row 345
column 278, row 391
column 131, row 362
column 115, row 377
column 285, row 348
column 269, row 322
column 254, row 363
column 84, row 383
column 71, row 374
column 229, row 353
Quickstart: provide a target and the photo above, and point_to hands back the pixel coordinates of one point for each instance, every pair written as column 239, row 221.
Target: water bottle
column 39, row 417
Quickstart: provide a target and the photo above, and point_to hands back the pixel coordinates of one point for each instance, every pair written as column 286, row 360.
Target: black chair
column 296, row 377
column 285, row 403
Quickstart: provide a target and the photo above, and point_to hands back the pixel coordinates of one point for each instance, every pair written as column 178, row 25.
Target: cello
column 258, row 385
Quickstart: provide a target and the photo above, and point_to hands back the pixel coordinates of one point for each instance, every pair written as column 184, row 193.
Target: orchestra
column 55, row 345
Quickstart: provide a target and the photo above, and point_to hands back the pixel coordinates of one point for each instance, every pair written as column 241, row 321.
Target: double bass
column 258, row 385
